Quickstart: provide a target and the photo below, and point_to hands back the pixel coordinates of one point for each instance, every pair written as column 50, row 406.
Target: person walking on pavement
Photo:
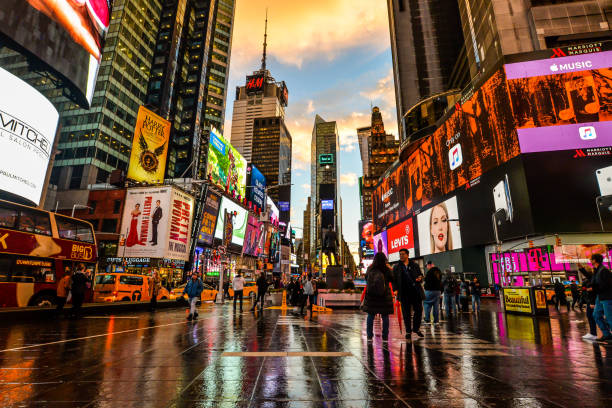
column 193, row 289
column 588, row 297
column 602, row 281
column 262, row 287
column 154, row 289
column 238, row 286
column 309, row 294
column 407, row 277
column 575, row 295
column 449, row 284
column 63, row 289
column 80, row 284
column 560, row 296
column 464, row 295
column 433, row 289
column 226, row 294
column 475, row 289
column 378, row 296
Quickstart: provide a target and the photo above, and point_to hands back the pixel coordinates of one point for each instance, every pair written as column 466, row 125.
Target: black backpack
column 376, row 285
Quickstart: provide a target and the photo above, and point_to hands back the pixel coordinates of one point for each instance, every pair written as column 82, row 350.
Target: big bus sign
column 22, row 243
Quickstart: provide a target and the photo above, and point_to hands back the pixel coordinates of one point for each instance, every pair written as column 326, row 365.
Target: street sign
column 325, row 159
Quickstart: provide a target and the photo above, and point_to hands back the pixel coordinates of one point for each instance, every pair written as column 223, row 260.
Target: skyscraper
column 189, row 77
column 426, row 42
column 324, row 191
column 363, row 138
column 260, row 97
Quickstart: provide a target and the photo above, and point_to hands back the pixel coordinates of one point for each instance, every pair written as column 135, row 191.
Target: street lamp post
column 79, row 206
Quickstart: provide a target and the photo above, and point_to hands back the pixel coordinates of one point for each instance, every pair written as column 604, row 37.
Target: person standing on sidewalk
column 433, row 289
column 475, row 289
column 309, row 294
column 80, row 283
column 407, row 277
column 226, row 294
column 464, row 295
column 63, row 289
column 154, row 290
column 262, row 287
column 238, row 286
column 449, row 284
column 378, row 297
column 560, row 296
column 588, row 297
column 575, row 295
column 602, row 280
column 193, row 289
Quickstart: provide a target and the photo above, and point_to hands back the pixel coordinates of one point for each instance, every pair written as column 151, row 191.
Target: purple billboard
column 380, row 243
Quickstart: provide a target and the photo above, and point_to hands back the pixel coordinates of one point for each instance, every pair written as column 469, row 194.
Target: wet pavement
column 275, row 359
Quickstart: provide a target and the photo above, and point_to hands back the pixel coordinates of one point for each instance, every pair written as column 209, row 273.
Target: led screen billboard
column 210, row 212
column 28, row 122
column 439, row 229
column 240, row 221
column 380, row 243
column 156, row 223
column 226, row 166
column 149, row 148
column 67, row 35
column 274, row 212
column 257, row 188
column 366, row 239
column 255, row 237
column 400, row 236
column 478, row 136
column 562, row 103
column 327, row 204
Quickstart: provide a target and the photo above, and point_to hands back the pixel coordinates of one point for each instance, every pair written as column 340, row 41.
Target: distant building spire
column 265, row 44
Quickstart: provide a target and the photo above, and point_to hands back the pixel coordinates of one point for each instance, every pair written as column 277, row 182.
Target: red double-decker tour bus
column 36, row 247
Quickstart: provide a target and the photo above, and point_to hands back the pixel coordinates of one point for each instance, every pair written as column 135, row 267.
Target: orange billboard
column 149, row 148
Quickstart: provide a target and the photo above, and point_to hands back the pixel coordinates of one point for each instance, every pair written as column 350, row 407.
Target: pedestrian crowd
column 72, row 287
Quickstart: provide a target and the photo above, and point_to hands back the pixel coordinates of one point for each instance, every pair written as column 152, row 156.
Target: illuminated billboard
column 67, row 35
column 255, row 83
column 439, row 228
column 257, row 188
column 327, row 204
column 239, row 221
column 210, row 212
column 156, row 223
column 380, row 243
column 226, row 166
column 149, row 148
column 255, row 237
column 366, row 239
column 400, row 236
column 28, row 122
column 562, row 103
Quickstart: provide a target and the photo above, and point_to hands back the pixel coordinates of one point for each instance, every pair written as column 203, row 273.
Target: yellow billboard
column 149, row 147
column 517, row 300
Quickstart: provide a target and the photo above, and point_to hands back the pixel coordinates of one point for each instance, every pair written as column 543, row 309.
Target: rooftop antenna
column 265, row 44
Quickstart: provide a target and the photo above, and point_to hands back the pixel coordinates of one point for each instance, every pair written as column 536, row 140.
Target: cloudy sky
column 334, row 56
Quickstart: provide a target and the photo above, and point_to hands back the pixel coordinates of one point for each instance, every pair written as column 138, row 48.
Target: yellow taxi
column 249, row 291
column 118, row 287
column 208, row 294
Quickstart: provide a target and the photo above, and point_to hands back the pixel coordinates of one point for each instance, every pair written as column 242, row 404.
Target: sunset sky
column 335, row 57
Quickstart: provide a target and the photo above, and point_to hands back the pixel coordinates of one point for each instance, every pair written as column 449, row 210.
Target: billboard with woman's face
column 439, row 228
column 67, row 35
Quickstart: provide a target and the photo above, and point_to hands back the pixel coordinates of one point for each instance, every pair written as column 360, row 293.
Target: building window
column 109, row 225
column 75, row 179
column 117, row 207
column 92, row 207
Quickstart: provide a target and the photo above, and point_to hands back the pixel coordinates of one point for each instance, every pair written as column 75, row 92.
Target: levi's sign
column 400, row 236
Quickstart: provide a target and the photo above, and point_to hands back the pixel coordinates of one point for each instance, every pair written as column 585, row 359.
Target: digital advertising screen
column 366, row 239
column 439, row 228
column 226, row 166
column 210, row 213
column 28, row 123
column 257, row 188
column 400, row 236
column 380, row 243
column 67, row 35
column 327, row 204
column 240, row 221
column 149, row 148
column 284, row 205
column 274, row 212
column 562, row 103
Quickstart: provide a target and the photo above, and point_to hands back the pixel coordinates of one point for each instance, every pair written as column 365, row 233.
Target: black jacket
column 379, row 304
column 157, row 214
column 433, row 279
column 414, row 293
column 602, row 281
column 262, row 285
column 79, row 283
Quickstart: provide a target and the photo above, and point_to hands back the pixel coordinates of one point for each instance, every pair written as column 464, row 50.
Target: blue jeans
column 592, row 324
column 449, row 303
column 475, row 300
column 602, row 313
column 432, row 298
column 370, row 325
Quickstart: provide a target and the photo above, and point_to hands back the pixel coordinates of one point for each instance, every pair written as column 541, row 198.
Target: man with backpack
column 407, row 277
column 378, row 297
column 262, row 287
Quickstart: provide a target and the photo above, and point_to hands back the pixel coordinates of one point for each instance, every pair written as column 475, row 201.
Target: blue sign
column 327, row 204
column 284, row 205
column 257, row 188
column 217, row 143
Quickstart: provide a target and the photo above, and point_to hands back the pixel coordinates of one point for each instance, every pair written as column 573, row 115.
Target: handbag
column 69, row 297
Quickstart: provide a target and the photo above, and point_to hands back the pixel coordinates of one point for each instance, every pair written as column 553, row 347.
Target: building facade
column 306, row 238
column 189, row 75
column 363, row 138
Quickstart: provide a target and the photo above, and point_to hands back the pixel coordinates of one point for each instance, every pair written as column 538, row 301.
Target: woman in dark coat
column 378, row 296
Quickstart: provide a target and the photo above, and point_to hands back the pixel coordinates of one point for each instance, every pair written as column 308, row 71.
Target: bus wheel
column 136, row 296
column 44, row 300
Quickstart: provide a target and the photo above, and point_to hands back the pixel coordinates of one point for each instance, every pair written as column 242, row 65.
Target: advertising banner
column 228, row 228
column 366, row 239
column 239, row 221
column 28, row 123
column 380, row 243
column 210, row 212
column 562, row 103
column 23, row 243
column 400, row 236
column 274, row 212
column 581, row 254
column 255, row 237
column 67, row 35
column 517, row 300
column 439, row 229
column 156, row 223
column 149, row 148
column 257, row 188
column 225, row 165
